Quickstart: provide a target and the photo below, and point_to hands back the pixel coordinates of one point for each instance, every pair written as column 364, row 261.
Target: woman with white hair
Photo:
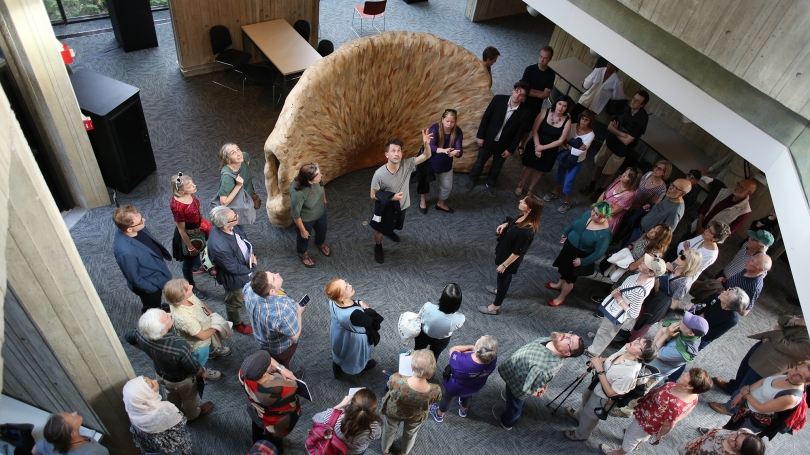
column 157, row 426
column 467, row 373
column 192, row 229
column 408, row 401
column 232, row 255
column 194, row 321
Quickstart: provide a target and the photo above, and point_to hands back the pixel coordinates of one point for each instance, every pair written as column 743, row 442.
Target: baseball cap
column 762, row 236
column 656, row 264
column 698, row 325
column 696, row 174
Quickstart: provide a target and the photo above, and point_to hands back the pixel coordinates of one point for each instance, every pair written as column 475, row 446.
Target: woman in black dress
column 514, row 239
column 549, row 132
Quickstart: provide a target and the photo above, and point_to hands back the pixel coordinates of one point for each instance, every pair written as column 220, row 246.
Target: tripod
column 573, row 386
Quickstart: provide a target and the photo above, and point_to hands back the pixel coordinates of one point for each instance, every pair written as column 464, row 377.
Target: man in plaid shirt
column 275, row 317
column 176, row 368
column 530, row 369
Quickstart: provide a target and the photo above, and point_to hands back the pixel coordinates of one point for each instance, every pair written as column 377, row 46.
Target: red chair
column 370, row 10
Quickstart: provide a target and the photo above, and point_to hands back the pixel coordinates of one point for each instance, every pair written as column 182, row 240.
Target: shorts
column 607, row 160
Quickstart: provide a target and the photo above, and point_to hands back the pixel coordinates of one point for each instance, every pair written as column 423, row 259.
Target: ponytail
column 359, row 415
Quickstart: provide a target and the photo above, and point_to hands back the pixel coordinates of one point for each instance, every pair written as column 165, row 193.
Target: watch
column 279, row 367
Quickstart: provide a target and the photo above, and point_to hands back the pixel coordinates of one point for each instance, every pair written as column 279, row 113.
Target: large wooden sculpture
column 346, row 107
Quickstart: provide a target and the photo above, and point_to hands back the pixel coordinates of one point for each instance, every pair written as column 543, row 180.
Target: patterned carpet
column 190, row 118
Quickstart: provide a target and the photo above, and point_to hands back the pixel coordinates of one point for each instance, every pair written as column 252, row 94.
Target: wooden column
column 33, row 56
column 481, row 10
column 54, row 289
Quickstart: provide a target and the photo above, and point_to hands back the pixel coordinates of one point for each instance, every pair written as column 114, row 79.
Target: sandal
column 519, row 190
column 306, row 260
column 324, row 250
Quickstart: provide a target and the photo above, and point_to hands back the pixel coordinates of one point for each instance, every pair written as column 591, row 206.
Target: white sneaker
column 221, row 351
column 213, row 375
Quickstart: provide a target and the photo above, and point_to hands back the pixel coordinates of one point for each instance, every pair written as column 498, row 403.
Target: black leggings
column 436, row 345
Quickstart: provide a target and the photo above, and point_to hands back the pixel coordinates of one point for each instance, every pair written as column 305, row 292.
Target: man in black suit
column 499, row 133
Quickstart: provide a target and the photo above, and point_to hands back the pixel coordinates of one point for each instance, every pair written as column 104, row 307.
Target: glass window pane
column 81, row 8
column 159, row 3
column 53, row 10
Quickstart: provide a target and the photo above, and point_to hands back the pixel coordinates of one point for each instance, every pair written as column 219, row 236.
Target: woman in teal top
column 584, row 241
column 308, row 206
column 234, row 161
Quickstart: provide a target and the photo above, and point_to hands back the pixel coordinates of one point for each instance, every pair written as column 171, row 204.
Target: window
column 64, row 11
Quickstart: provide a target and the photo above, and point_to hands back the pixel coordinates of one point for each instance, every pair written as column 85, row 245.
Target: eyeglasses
column 138, row 224
column 682, row 255
column 672, row 185
column 569, row 336
column 235, row 218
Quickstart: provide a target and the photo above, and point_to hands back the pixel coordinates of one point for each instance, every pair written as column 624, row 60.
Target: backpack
column 322, row 439
column 207, row 263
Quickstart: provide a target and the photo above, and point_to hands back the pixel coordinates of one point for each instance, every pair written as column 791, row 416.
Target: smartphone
column 304, row 301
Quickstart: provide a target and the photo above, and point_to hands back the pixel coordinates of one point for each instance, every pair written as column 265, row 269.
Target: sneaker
column 378, row 254
column 498, row 418
column 394, row 237
column 703, row 430
column 200, row 294
column 721, row 384
column 492, row 191
column 243, row 328
column 219, row 352
column 572, row 413
column 434, row 411
column 591, row 335
column 469, row 185
column 492, row 289
column 213, row 375
column 564, row 207
column 461, row 411
column 206, row 408
column 549, row 197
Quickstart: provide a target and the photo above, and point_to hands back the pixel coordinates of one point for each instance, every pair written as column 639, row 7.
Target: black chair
column 303, row 29
column 261, row 75
column 231, row 58
column 325, row 47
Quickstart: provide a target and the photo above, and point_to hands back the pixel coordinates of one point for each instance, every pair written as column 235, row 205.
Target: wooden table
column 283, row 46
column 573, row 71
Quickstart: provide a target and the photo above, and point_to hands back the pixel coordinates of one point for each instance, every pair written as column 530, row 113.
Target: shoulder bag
column 613, row 310
column 322, row 439
column 242, row 204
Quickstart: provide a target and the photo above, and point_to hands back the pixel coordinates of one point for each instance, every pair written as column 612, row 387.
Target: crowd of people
column 658, row 314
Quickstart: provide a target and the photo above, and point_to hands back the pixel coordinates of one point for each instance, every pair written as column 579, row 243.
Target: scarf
column 146, row 409
column 687, row 346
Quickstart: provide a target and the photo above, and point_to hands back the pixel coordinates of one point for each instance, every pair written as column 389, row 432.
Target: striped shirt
column 274, row 319
column 737, row 263
column 170, row 354
column 645, row 195
column 360, row 442
column 635, row 297
column 751, row 286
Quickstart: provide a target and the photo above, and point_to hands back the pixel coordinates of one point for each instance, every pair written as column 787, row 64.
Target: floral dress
column 710, row 443
column 656, row 408
column 171, row 440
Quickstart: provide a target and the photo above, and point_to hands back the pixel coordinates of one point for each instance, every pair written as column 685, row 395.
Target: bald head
column 744, row 188
column 679, row 188
column 759, row 264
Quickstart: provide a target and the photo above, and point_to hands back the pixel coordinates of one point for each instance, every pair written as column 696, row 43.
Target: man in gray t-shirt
column 394, row 176
column 669, row 211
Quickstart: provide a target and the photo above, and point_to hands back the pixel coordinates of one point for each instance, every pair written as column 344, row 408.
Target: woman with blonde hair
column 192, row 229
column 408, row 401
column 515, row 236
column 352, row 320
column 157, row 425
column 195, row 323
column 445, row 145
column 359, row 422
column 234, row 176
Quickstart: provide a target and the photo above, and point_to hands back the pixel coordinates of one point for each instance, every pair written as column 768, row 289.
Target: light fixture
column 593, row 53
column 532, row 11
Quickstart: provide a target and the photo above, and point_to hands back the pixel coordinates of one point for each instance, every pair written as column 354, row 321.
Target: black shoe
column 588, row 188
column 370, row 364
column 469, row 185
column 336, row 370
column 299, row 374
column 597, row 298
column 492, row 191
column 394, row 237
column 423, row 210
column 378, row 254
column 594, row 196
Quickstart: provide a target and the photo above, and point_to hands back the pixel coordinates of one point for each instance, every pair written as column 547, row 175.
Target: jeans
column 503, row 281
column 190, row 264
column 565, row 177
column 513, row 409
column 436, row 345
column 447, row 400
column 493, row 151
column 745, row 376
column 319, row 225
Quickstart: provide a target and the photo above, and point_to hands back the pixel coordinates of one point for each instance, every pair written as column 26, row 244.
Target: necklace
column 788, row 380
column 554, row 120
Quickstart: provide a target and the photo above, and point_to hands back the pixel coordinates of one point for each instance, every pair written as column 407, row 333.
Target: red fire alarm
column 88, row 123
column 67, row 54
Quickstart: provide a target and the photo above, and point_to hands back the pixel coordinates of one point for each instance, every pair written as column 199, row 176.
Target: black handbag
column 583, row 270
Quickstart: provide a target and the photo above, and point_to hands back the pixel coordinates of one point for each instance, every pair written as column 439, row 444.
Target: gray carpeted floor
column 190, row 118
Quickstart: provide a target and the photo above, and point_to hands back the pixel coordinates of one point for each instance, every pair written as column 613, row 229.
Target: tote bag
column 613, row 310
column 242, row 204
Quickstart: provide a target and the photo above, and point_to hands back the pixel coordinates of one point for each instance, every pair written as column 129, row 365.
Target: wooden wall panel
column 192, row 20
column 481, row 10
column 766, row 43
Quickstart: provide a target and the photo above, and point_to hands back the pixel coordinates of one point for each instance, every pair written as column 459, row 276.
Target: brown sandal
column 306, row 260
column 324, row 250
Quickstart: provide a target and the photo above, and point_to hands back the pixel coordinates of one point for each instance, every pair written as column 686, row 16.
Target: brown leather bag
column 257, row 203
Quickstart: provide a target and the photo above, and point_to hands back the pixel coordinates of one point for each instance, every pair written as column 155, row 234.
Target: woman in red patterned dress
column 657, row 412
column 620, row 195
column 186, row 211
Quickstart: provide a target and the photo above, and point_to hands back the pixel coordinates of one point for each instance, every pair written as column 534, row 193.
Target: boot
column 588, row 188
column 336, row 370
